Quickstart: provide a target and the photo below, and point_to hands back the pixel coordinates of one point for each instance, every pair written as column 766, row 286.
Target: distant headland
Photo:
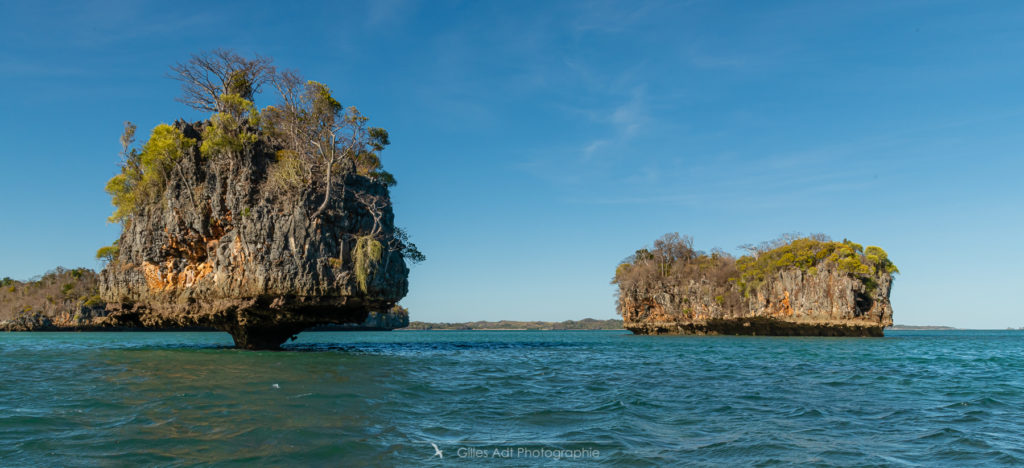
column 584, row 324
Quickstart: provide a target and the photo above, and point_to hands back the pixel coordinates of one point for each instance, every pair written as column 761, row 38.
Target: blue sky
column 536, row 144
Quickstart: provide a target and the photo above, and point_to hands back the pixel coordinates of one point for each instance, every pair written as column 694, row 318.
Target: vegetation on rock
column 260, row 221
column 791, row 285
column 108, row 253
column 61, row 297
column 806, row 254
column 673, row 260
column 315, row 140
column 367, row 253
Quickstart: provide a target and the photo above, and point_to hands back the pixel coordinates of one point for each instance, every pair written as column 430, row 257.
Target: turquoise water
column 512, row 398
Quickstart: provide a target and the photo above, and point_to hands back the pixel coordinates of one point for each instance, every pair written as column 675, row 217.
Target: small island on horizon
column 794, row 285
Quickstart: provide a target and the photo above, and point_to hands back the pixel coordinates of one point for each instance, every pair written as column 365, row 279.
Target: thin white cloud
column 623, row 122
column 389, row 12
column 589, row 149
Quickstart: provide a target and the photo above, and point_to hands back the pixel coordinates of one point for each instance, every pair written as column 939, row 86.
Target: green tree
column 144, row 174
column 232, row 129
column 109, row 253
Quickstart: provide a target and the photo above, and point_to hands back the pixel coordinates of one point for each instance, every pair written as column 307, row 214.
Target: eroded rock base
column 263, row 338
column 753, row 326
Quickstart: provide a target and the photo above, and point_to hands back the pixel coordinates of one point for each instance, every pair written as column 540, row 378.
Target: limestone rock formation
column 218, row 248
column 825, row 289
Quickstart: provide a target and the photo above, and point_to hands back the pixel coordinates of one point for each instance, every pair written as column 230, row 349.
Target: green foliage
column 673, row 266
column 94, row 301
column 239, row 83
column 122, row 195
column 144, row 174
column 807, row 254
column 231, row 130
column 166, row 146
column 7, row 281
column 319, row 95
column 880, row 260
column 383, row 177
column 109, row 253
column 318, row 146
column 621, row 271
column 409, row 251
column 643, row 255
column 367, row 255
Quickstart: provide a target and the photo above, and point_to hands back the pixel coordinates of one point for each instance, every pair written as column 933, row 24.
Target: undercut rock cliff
column 803, row 287
column 219, row 247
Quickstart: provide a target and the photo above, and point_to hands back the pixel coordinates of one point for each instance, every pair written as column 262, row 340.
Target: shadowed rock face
column 376, row 321
column 829, row 302
column 219, row 250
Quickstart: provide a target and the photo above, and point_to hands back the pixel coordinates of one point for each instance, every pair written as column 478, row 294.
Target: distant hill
column 61, row 299
column 919, row 327
column 585, row 324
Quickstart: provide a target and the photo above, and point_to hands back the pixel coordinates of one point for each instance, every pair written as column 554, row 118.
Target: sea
column 512, row 398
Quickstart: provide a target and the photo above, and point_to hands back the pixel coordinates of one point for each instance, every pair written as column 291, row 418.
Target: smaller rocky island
column 794, row 285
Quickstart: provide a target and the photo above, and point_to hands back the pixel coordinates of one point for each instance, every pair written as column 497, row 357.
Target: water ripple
column 353, row 398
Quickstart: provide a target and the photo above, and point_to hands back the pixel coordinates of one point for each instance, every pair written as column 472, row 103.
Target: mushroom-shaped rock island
column 260, row 223
column 792, row 286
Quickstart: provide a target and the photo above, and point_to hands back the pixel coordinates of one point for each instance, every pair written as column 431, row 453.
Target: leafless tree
column 208, row 75
column 127, row 138
column 375, row 205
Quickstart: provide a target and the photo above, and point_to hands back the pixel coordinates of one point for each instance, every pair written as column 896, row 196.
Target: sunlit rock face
column 221, row 250
column 823, row 302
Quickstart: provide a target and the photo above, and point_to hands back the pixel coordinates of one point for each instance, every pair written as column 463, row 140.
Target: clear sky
column 538, row 143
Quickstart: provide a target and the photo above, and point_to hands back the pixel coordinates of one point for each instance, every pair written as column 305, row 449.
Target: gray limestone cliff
column 219, row 249
column 804, row 288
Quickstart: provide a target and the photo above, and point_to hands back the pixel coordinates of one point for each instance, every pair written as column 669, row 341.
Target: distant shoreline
column 502, row 325
column 514, row 325
column 922, row 327
column 507, row 329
